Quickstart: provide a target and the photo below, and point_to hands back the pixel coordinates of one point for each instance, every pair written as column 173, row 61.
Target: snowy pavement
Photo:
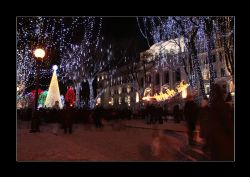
column 87, row 143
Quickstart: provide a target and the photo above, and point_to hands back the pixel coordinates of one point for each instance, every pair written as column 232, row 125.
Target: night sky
column 123, row 29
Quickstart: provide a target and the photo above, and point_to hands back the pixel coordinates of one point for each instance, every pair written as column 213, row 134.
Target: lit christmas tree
column 54, row 92
column 42, row 98
column 70, row 96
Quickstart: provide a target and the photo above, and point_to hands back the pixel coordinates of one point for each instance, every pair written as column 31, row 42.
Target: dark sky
column 123, row 29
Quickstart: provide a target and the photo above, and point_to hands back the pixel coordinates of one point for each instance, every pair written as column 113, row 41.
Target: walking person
column 56, row 109
column 67, row 119
column 204, row 118
column 190, row 112
column 221, row 127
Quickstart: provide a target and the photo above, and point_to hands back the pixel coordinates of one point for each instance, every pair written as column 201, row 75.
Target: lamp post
column 39, row 54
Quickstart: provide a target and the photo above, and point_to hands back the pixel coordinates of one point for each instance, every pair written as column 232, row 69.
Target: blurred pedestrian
column 221, row 128
column 56, row 118
column 204, row 118
column 190, row 112
column 67, row 119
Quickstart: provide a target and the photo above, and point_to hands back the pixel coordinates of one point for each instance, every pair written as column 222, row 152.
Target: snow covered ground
column 87, row 143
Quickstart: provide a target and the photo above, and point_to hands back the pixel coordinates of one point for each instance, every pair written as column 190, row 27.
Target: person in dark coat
column 190, row 112
column 204, row 118
column 67, row 119
column 98, row 113
column 221, row 128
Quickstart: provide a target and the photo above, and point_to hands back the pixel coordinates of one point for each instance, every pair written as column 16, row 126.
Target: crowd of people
column 215, row 119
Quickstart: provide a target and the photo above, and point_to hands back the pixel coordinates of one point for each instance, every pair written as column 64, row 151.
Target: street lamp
column 39, row 55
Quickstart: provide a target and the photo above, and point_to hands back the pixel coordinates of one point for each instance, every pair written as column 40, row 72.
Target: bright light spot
column 98, row 101
column 184, row 93
column 17, row 88
column 39, row 53
column 137, row 97
column 55, row 67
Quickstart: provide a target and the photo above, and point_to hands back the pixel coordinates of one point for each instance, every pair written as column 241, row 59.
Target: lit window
column 120, row 100
column 129, row 100
column 137, row 97
column 126, row 99
column 128, row 89
column 111, row 102
column 207, row 89
column 120, row 90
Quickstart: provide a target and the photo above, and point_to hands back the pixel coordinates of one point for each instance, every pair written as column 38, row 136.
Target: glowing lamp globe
column 55, row 67
column 39, row 53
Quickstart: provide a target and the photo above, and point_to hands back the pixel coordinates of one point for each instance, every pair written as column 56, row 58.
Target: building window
column 137, row 97
column 126, row 99
column 120, row 100
column 111, row 101
column 166, row 74
column 207, row 89
column 157, row 79
column 178, row 75
column 129, row 100
column 222, row 72
column 120, row 90
column 128, row 89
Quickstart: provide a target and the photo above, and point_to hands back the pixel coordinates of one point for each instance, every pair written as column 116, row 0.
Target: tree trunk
column 78, row 89
column 198, row 70
column 91, row 93
column 211, row 69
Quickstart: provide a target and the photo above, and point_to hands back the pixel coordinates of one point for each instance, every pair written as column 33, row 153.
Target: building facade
column 161, row 67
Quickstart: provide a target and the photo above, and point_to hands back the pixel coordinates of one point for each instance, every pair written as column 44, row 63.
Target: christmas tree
column 70, row 96
column 53, row 93
column 42, row 98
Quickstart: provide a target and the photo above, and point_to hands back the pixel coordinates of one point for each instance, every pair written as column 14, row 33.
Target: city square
column 125, row 89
